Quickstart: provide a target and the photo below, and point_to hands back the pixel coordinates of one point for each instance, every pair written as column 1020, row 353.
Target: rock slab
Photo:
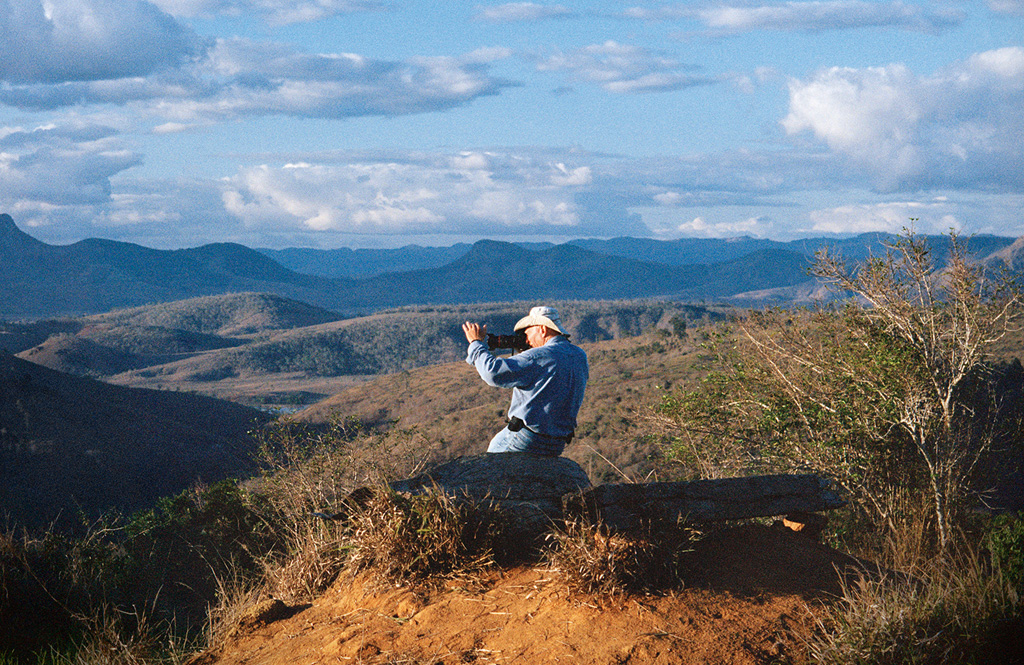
column 627, row 507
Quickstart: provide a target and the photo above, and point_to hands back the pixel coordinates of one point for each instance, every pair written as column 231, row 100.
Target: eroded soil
column 750, row 597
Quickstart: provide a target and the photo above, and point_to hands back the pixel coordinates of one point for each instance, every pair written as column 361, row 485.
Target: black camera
column 516, row 341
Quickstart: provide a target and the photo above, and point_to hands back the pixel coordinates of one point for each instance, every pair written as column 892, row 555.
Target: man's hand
column 474, row 331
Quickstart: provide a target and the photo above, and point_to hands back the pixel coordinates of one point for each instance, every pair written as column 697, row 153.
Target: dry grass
column 948, row 610
column 116, row 637
column 235, row 600
column 424, row 538
column 316, row 555
column 592, row 562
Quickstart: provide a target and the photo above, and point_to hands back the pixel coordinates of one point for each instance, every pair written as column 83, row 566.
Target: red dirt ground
column 751, row 593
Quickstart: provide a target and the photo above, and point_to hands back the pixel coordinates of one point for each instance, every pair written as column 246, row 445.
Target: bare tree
column 881, row 392
column 949, row 319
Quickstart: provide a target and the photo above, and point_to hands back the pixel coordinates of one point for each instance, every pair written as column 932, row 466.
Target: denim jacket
column 547, row 383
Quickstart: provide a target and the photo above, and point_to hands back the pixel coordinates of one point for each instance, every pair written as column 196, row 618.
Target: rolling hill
column 362, row 263
column 263, row 349
column 38, row 280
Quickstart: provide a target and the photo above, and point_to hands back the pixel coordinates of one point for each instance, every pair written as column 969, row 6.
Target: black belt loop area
column 515, row 424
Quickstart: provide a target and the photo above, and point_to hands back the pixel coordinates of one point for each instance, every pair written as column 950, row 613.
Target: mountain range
column 38, row 280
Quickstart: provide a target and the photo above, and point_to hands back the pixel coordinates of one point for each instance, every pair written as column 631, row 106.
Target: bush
column 891, row 394
column 948, row 610
column 1006, row 543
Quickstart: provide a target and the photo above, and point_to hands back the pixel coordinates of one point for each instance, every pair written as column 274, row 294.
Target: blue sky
column 380, row 123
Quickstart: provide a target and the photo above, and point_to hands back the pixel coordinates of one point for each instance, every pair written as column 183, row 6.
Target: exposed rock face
column 529, row 487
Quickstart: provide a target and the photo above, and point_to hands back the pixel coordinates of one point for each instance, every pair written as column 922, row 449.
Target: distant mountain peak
column 7, row 225
column 11, row 237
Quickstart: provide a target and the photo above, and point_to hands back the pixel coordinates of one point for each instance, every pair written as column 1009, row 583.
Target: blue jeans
column 525, row 441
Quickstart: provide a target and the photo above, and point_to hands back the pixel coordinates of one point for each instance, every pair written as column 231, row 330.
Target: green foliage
column 1006, row 542
column 161, row 565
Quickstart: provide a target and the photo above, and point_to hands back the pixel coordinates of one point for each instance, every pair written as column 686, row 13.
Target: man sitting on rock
column 547, row 381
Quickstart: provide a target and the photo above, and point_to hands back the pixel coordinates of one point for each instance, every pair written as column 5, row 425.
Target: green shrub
column 1006, row 543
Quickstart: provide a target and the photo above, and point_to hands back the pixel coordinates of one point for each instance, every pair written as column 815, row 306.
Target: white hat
column 541, row 316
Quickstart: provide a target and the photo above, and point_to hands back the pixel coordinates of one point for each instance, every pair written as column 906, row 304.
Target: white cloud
column 1013, row 7
column 621, row 68
column 827, row 15
column 810, row 16
column 566, row 177
column 698, row 227
column 462, row 193
column 932, row 217
column 521, row 11
column 89, row 40
column 278, row 12
column 662, row 13
column 960, row 127
column 242, row 77
column 60, row 166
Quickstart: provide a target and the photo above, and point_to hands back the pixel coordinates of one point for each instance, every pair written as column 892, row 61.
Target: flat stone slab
column 634, row 506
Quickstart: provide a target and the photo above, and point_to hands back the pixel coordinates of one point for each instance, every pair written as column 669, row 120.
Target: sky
column 383, row 123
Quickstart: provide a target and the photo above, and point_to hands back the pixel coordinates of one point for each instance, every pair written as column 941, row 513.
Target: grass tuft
column 420, row 538
column 950, row 610
column 592, row 562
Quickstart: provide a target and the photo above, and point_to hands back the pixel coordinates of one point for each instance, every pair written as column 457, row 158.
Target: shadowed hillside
column 69, row 444
column 39, row 280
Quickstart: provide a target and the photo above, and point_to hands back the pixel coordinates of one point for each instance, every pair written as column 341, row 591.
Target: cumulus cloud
column 89, row 40
column 242, row 78
column 521, row 11
column 938, row 216
column 960, row 127
column 278, row 12
column 621, row 68
column 60, row 166
column 698, row 227
column 463, row 193
column 59, row 182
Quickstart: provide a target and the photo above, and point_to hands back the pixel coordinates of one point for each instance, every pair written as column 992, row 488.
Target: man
column 547, row 381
